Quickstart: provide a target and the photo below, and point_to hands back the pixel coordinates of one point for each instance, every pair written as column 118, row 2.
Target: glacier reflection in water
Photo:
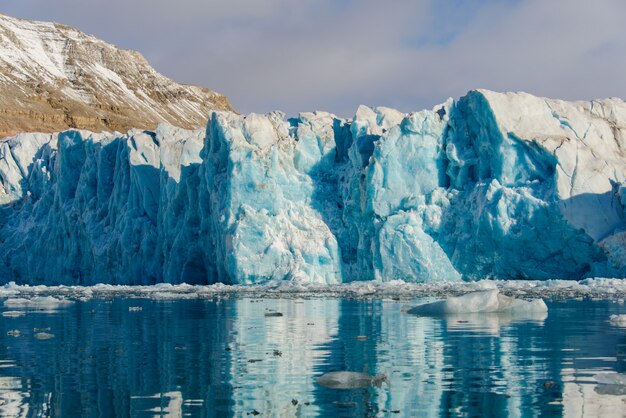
column 247, row 356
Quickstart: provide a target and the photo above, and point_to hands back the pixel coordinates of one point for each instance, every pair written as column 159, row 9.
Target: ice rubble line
column 598, row 288
column 506, row 186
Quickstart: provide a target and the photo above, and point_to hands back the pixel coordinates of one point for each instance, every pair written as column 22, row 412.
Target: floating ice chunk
column 351, row 380
column 37, row 302
column 618, row 320
column 490, row 301
column 16, row 303
column 508, row 304
column 12, row 314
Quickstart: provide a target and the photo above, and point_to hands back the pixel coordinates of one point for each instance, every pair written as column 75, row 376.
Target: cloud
column 336, row 54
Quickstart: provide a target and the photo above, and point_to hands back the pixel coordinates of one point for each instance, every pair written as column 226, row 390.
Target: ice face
column 504, row 186
column 273, row 197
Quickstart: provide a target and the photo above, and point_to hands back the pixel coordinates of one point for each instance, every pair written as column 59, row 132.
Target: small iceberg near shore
column 490, row 301
column 618, row 320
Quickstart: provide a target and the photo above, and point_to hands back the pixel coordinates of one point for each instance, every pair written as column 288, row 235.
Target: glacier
column 489, row 186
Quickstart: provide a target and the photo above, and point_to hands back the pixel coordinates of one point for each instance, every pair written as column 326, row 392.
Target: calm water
column 227, row 358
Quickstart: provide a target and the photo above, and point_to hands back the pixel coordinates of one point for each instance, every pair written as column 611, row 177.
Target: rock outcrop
column 54, row 77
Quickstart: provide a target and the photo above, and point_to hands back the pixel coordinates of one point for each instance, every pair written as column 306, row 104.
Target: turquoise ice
column 503, row 186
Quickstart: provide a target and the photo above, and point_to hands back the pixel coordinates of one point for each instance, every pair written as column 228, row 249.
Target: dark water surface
column 143, row 357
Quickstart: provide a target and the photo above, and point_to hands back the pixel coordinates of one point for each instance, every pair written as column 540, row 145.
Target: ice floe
column 618, row 320
column 489, row 301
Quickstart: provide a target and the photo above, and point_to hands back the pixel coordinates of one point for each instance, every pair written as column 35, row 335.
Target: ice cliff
column 493, row 185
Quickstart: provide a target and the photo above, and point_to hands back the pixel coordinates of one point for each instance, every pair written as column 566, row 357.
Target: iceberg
column 490, row 301
column 491, row 186
column 618, row 320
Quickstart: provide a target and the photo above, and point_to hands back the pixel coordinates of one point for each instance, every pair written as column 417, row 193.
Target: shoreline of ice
column 601, row 288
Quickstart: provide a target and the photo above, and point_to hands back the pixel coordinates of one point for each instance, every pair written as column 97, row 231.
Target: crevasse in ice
column 504, row 186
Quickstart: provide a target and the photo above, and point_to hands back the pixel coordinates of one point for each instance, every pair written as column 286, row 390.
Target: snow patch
column 12, row 314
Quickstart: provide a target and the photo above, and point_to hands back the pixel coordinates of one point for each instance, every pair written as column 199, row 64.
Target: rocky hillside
column 54, row 77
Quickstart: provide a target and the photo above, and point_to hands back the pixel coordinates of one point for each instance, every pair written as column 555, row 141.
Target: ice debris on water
column 12, row 314
column 396, row 290
column 37, row 302
column 618, row 320
column 489, row 301
column 506, row 186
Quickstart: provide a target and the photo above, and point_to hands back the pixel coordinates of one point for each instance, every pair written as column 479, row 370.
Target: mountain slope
column 54, row 77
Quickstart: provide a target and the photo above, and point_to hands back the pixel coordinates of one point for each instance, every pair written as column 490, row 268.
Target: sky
column 304, row 55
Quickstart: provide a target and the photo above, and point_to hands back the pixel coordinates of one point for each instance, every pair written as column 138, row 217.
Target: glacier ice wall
column 493, row 185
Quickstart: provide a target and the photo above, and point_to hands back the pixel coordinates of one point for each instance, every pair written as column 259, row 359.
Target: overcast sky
column 300, row 55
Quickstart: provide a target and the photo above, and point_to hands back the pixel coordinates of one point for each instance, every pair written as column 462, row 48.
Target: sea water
column 249, row 354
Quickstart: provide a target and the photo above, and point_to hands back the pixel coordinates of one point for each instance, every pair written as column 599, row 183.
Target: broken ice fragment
column 490, row 301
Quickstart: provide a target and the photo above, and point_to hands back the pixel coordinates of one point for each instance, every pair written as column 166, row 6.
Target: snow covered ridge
column 54, row 77
column 502, row 186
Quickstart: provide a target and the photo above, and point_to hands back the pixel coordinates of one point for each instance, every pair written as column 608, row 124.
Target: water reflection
column 273, row 356
column 169, row 404
column 243, row 357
